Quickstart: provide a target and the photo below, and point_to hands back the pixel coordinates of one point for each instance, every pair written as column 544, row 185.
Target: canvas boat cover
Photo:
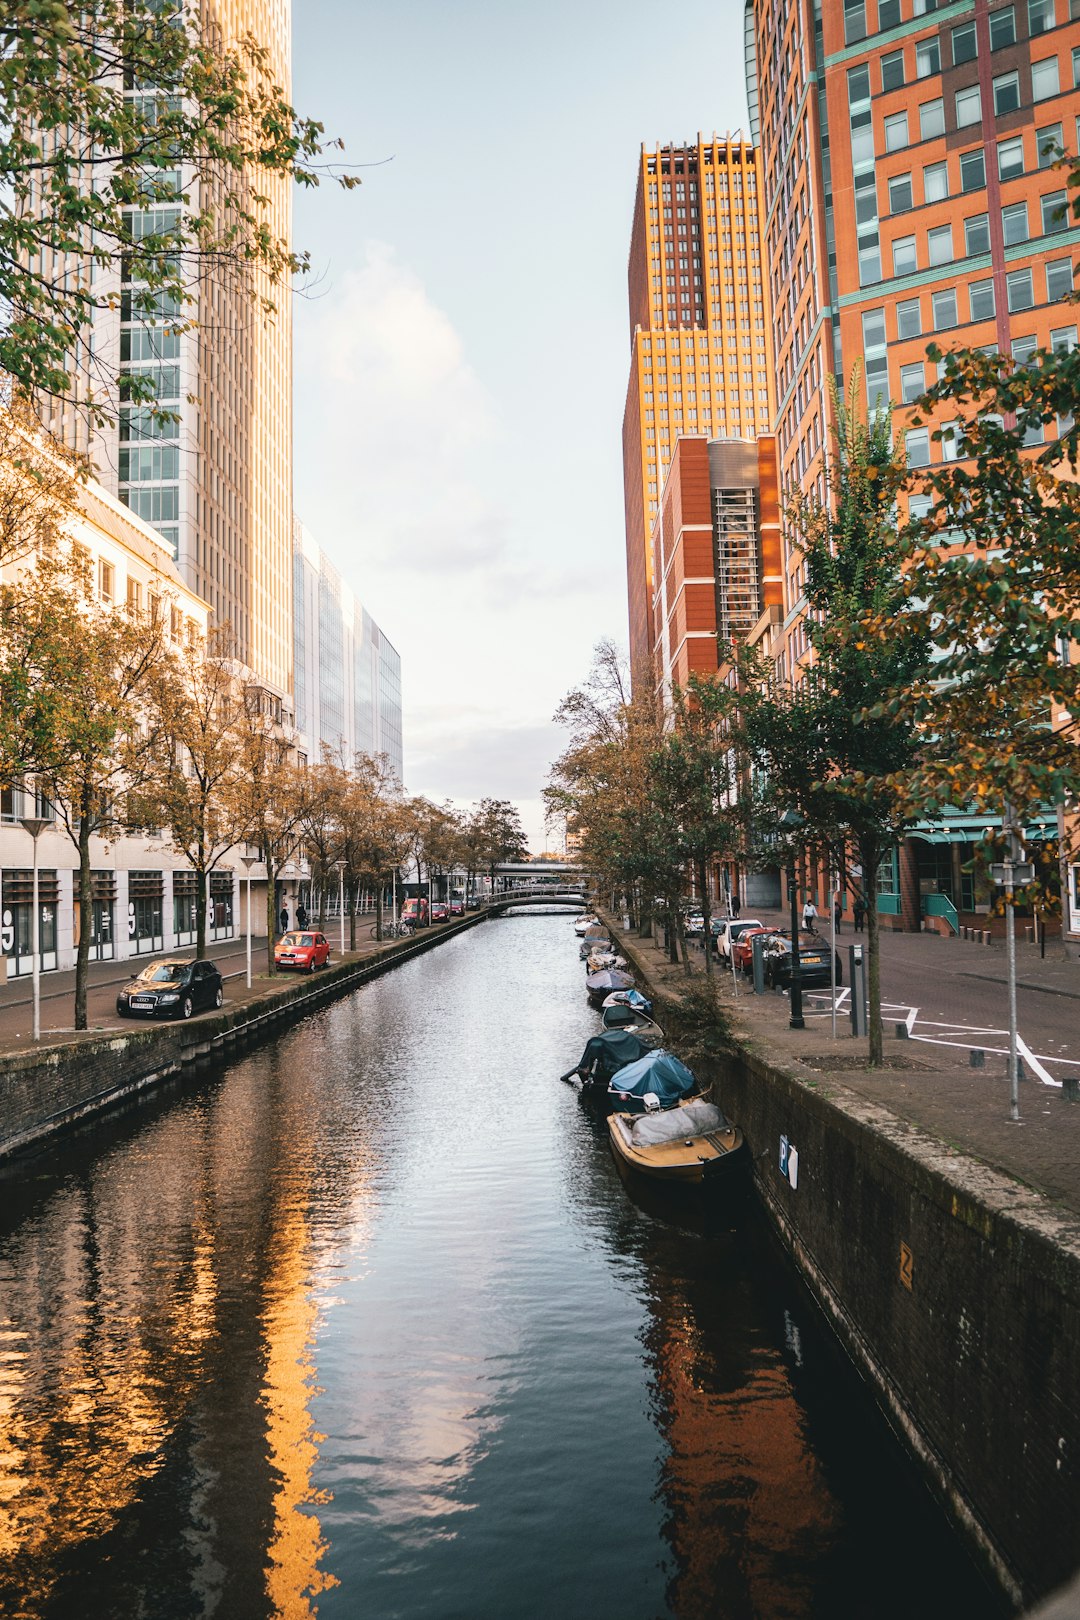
column 610, row 1052
column 608, row 979
column 596, row 931
column 675, row 1124
column 629, row 998
column 658, row 1071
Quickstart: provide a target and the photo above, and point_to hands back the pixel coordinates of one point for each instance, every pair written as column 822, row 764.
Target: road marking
column 911, row 1017
column 1029, row 1057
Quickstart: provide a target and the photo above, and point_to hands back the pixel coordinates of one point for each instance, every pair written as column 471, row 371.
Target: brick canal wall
column 955, row 1290
column 49, row 1089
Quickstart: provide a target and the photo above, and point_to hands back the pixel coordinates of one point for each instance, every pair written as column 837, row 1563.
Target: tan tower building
column 701, row 345
column 217, row 483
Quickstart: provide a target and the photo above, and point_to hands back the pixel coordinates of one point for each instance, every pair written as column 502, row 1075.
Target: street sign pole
column 1008, row 873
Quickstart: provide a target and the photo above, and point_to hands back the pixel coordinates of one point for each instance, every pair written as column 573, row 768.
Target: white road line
column 911, row 1017
column 1029, row 1057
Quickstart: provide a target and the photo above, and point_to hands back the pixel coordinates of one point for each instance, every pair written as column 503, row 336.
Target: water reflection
column 369, row 1324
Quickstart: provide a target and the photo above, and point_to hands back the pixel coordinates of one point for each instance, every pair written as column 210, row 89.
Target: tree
column 269, row 800
column 321, row 823
column 189, row 785
column 75, row 680
column 375, row 834
column 695, row 782
column 993, row 583
column 38, row 486
column 829, row 754
column 500, row 834
column 86, row 166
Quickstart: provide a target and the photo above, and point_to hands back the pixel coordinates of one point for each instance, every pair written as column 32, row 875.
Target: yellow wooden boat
column 690, row 1143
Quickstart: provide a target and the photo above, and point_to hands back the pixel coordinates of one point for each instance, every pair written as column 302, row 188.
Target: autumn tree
column 85, row 167
column 829, row 757
column 321, row 825
column 269, row 800
column 499, row 834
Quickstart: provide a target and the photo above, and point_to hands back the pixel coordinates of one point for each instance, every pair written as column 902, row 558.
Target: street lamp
column 791, row 820
column 341, row 865
column 249, row 861
column 1008, row 873
column 35, row 826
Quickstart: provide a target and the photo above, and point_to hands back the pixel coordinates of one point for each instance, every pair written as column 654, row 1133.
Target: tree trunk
column 271, row 915
column 202, row 884
column 82, row 956
column 322, row 897
column 706, row 912
column 682, row 946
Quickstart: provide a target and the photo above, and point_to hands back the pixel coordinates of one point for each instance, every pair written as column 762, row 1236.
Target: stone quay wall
column 954, row 1289
column 49, row 1089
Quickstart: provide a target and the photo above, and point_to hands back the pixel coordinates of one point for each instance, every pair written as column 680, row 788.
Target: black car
column 814, row 971
column 171, row 989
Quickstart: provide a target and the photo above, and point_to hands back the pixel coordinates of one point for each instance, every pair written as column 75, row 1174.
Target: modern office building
column 348, row 675
column 700, row 339
column 715, row 553
column 909, row 198
column 216, row 484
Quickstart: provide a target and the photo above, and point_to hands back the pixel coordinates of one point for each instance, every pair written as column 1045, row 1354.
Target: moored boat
column 692, row 1143
column 584, row 923
column 657, row 1080
column 602, row 983
column 604, row 1055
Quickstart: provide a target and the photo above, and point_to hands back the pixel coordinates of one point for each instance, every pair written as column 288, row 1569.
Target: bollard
column 902, row 1032
column 857, row 981
column 1021, row 1071
column 1070, row 1089
column 977, row 1058
column 757, row 947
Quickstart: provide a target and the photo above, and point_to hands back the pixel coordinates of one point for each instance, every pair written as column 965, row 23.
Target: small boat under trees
column 600, row 984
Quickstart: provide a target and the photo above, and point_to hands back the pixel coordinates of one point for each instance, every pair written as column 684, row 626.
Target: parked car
column 171, row 988
column 694, row 925
column 440, row 911
column 733, row 928
column 304, row 950
column 742, row 949
column 457, row 908
column 814, row 971
column 414, row 913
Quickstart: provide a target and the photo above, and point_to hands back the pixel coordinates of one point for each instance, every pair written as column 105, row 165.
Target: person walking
column 838, row 908
column 301, row 917
column 284, row 919
column 736, row 904
column 809, row 914
column 858, row 911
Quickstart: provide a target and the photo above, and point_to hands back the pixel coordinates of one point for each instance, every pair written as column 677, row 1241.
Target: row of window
column 1041, row 15
column 1014, row 219
column 1045, row 82
column 1020, row 291
column 964, row 43
column 935, row 176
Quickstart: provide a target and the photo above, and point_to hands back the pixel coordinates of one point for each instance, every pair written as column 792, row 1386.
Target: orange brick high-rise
column 701, row 348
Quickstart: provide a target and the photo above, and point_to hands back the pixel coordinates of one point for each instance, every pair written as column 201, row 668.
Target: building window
column 1049, row 143
column 943, row 305
column 1024, row 350
column 977, row 235
column 1059, row 280
column 927, row 58
column 935, row 182
column 964, row 46
column 854, row 21
column 1055, row 212
column 972, row 170
column 1044, row 79
column 888, row 13
column 932, row 119
column 905, row 257
column 917, row 447
column 939, row 244
column 1063, row 341
column 1014, row 220
column 1040, row 16
column 106, row 580
column 1010, row 159
column 896, row 133
column 900, row 196
column 912, row 382
column 981, row 296
column 950, row 440
column 908, row 318
column 892, row 70
column 134, row 595
column 1006, row 93
column 1020, row 293
column 1002, row 28
column 968, row 106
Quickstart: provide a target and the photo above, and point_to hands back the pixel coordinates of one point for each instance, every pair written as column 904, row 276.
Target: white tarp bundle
column 675, row 1124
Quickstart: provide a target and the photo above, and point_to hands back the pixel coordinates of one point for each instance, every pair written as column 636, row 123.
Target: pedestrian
column 838, row 908
column 809, row 914
column 301, row 916
column 859, row 912
column 284, row 919
column 736, row 904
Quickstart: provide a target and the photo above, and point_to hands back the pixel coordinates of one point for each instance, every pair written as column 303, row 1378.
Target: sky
column 461, row 346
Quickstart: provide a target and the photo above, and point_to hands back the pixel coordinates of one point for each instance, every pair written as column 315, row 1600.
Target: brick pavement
column 950, row 983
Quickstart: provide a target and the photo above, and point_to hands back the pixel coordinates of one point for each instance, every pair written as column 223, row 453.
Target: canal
column 367, row 1324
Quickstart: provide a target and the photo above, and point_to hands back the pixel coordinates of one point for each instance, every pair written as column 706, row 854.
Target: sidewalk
column 946, row 998
column 105, row 978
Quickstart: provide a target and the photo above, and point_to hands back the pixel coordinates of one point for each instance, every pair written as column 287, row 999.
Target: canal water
column 368, row 1325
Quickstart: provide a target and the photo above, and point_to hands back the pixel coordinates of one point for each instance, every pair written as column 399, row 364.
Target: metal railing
column 939, row 905
column 888, row 905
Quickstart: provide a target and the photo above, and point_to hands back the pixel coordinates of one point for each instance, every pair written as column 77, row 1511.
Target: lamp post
column 791, row 820
column 249, row 862
column 35, row 826
column 1008, row 873
column 341, row 900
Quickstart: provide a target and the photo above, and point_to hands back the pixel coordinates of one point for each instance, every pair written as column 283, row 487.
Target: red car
column 303, row 950
column 440, row 911
column 742, row 951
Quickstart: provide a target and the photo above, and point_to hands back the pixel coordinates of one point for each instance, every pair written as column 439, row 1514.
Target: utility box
column 860, row 1021
column 3, row 970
